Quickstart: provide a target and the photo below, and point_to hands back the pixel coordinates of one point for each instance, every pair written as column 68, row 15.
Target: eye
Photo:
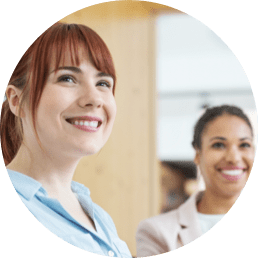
column 218, row 145
column 245, row 145
column 66, row 78
column 104, row 84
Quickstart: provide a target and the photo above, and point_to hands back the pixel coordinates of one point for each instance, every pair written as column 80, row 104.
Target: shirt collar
column 83, row 195
column 188, row 210
column 24, row 185
column 28, row 187
column 80, row 188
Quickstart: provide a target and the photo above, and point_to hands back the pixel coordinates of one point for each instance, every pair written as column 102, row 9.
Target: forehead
column 228, row 126
column 69, row 57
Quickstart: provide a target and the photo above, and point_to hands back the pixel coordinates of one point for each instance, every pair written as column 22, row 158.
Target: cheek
column 210, row 160
column 53, row 102
column 250, row 159
column 112, row 109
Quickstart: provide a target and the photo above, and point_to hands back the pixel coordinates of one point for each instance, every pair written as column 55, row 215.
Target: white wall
column 194, row 67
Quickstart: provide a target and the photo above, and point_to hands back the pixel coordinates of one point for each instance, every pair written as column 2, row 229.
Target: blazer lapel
column 188, row 220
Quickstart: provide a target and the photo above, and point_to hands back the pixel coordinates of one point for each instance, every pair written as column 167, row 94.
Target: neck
column 54, row 172
column 215, row 204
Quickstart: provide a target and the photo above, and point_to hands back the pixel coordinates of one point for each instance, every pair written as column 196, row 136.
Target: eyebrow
column 70, row 68
column 218, row 138
column 245, row 138
column 224, row 139
column 101, row 74
column 78, row 70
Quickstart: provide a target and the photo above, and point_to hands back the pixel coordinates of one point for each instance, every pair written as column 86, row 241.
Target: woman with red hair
column 59, row 108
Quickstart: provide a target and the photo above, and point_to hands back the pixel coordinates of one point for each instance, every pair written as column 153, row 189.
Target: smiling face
column 226, row 155
column 77, row 110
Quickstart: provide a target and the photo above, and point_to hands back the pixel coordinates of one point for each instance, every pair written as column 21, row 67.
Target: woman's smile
column 86, row 123
column 232, row 173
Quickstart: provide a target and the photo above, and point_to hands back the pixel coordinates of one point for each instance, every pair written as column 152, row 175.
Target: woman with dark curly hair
column 223, row 142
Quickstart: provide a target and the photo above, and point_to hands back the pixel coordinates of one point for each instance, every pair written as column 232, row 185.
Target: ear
column 197, row 157
column 13, row 95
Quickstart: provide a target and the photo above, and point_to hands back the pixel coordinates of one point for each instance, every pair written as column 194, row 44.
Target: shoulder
column 171, row 218
column 160, row 222
column 24, row 185
column 158, row 234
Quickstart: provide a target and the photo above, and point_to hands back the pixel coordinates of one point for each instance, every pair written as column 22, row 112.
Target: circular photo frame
column 132, row 133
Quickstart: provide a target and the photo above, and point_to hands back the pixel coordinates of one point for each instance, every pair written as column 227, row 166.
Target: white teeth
column 235, row 172
column 86, row 123
column 94, row 124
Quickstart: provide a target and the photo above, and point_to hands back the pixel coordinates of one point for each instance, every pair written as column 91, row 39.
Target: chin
column 82, row 152
column 236, row 191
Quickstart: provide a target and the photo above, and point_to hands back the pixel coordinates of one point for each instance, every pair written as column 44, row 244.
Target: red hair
column 32, row 71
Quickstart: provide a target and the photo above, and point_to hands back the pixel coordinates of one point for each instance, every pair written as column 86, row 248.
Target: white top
column 207, row 221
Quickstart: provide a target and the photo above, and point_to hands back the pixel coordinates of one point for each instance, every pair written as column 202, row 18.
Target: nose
column 90, row 97
column 233, row 155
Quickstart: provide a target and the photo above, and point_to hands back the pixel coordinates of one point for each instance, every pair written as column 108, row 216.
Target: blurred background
column 170, row 67
column 195, row 70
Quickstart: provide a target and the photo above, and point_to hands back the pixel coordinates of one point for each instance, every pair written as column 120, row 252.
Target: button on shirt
column 52, row 215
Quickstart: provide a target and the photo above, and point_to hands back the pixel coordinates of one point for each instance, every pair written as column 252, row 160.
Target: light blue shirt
column 52, row 215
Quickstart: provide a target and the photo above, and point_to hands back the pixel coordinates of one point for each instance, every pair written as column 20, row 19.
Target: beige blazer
column 169, row 231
